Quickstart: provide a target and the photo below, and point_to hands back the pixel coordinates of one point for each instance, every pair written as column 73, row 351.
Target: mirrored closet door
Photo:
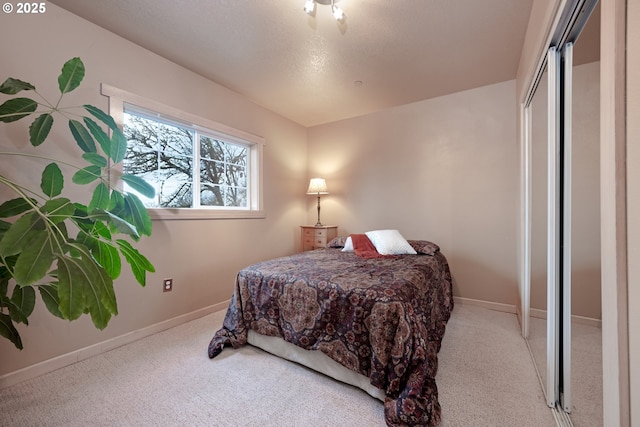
column 562, row 218
column 586, row 315
column 537, row 336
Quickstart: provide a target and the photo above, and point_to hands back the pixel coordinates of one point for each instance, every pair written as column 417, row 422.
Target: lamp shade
column 317, row 186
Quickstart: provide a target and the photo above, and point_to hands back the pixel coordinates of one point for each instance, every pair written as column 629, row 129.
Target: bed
column 370, row 318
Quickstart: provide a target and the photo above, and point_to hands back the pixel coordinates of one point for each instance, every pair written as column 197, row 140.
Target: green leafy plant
column 70, row 252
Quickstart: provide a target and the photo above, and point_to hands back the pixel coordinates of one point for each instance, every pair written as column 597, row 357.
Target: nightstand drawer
column 315, row 232
column 317, row 237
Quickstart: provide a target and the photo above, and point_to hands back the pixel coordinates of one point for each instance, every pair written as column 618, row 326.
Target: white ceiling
column 306, row 68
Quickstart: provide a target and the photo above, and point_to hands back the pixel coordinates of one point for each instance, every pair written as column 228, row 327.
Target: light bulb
column 309, row 7
column 338, row 13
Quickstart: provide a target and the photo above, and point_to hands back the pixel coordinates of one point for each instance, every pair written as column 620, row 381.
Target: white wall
column 443, row 170
column 202, row 256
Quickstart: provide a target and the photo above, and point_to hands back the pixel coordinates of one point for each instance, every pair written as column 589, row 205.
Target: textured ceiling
column 314, row 70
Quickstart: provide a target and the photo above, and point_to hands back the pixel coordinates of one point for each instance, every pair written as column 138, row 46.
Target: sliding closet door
column 544, row 148
column 550, row 153
column 586, row 338
column 537, row 112
column 580, row 374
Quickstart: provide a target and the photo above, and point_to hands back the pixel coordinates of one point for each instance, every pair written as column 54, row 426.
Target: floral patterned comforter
column 383, row 318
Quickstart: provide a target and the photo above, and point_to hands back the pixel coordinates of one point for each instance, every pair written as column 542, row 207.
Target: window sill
column 188, row 213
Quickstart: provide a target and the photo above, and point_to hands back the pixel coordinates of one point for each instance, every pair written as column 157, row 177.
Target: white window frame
column 117, row 100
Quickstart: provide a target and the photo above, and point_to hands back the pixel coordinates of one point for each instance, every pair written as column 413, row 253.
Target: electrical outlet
column 167, row 285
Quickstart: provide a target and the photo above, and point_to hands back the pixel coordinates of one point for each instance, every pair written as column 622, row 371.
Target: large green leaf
column 87, row 175
column 16, row 109
column 12, row 86
column 81, row 216
column 99, row 229
column 35, row 260
column 72, row 274
column 117, row 224
column 102, row 116
column 5, row 275
column 49, row 295
column 82, row 136
column 138, row 214
column 100, row 197
column 116, row 203
column 108, row 257
column 95, row 159
column 83, row 286
column 61, row 228
column 14, row 311
column 138, row 262
column 118, row 146
column 59, row 209
column 85, row 238
column 4, row 226
column 18, row 235
column 71, row 75
column 107, row 299
column 52, row 180
column 85, row 224
column 5, row 301
column 100, row 135
column 40, row 128
column 9, row 331
column 139, row 184
column 15, row 207
column 100, row 295
column 24, row 299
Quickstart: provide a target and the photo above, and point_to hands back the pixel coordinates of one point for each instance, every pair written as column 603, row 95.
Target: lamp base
column 318, row 224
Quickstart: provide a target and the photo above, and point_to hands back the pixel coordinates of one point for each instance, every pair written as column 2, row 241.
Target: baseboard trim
column 495, row 306
column 70, row 358
column 589, row 321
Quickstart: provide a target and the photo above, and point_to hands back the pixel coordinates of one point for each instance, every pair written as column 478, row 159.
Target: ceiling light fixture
column 310, row 8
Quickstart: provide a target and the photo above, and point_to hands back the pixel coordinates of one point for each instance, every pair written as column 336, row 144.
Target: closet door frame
column 567, row 172
column 553, row 224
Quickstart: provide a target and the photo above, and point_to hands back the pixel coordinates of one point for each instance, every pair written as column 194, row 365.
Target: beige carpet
column 485, row 378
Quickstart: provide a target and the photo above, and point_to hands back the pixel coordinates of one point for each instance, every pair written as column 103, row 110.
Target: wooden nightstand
column 313, row 237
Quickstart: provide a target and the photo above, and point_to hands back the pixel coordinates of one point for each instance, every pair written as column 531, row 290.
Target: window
column 199, row 168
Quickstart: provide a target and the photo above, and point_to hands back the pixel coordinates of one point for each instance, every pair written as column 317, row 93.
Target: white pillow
column 348, row 245
column 390, row 242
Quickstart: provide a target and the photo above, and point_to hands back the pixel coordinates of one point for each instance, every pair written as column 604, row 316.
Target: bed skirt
column 315, row 360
